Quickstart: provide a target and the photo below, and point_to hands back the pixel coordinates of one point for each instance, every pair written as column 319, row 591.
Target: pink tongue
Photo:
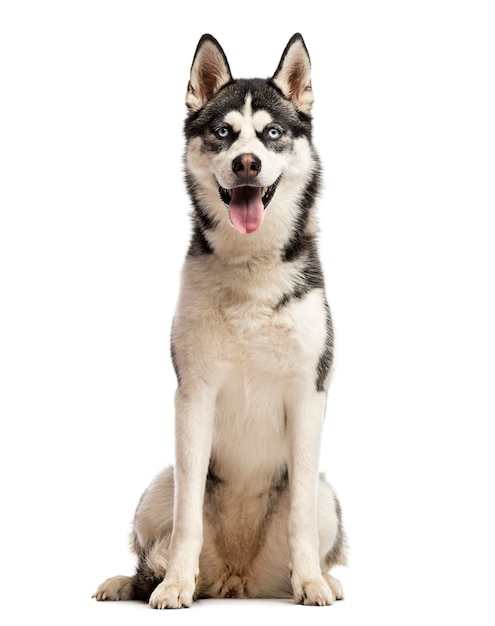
column 246, row 209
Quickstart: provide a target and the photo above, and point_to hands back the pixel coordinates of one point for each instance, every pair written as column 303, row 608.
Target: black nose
column 246, row 166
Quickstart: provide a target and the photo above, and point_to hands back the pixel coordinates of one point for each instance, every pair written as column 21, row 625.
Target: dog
column 245, row 512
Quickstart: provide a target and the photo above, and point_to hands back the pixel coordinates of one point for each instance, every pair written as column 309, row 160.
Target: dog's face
column 246, row 136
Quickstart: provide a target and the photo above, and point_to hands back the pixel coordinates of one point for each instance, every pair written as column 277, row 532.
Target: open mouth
column 246, row 205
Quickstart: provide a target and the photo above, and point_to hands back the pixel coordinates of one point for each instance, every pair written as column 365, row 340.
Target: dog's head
column 245, row 136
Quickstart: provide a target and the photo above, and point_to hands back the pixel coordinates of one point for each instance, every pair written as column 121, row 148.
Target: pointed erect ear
column 293, row 74
column 210, row 71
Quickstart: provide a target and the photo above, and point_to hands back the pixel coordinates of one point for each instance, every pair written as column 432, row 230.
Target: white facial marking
column 261, row 119
column 248, row 109
column 247, row 123
column 235, row 119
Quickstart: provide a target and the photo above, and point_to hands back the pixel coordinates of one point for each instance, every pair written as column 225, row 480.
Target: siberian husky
column 245, row 513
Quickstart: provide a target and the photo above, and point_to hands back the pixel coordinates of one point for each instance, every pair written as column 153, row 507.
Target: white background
column 93, row 229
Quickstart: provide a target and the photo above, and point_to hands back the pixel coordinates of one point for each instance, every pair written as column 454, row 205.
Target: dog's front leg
column 305, row 413
column 194, row 416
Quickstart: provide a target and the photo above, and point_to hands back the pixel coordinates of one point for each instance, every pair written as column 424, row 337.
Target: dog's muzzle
column 246, row 204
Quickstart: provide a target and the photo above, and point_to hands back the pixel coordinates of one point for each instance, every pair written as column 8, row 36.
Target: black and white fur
column 245, row 512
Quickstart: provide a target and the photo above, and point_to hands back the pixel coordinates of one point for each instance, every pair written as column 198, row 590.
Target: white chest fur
column 229, row 333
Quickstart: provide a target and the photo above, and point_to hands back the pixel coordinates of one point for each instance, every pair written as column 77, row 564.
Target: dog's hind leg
column 150, row 571
column 116, row 588
column 150, row 541
column 137, row 587
column 335, row 586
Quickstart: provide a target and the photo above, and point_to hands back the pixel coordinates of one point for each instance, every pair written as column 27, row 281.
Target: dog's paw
column 335, row 586
column 172, row 594
column 314, row 592
column 116, row 588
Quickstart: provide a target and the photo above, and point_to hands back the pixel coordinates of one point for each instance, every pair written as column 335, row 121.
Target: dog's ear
column 293, row 74
column 209, row 72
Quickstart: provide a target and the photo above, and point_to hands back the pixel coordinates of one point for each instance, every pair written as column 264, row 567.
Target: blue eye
column 273, row 132
column 223, row 132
